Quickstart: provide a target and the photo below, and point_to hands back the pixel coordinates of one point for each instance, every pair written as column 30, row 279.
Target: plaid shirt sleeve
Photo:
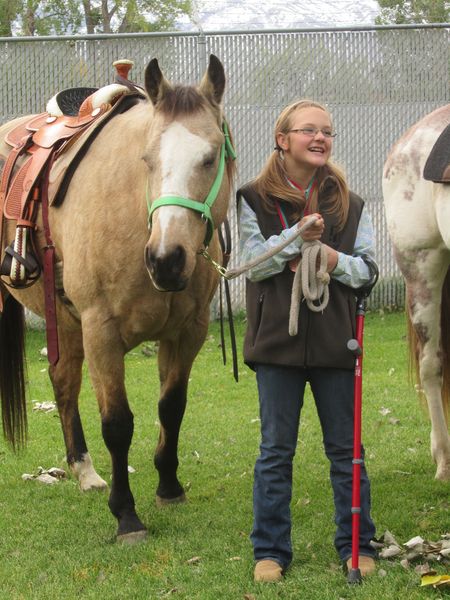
column 252, row 244
column 350, row 270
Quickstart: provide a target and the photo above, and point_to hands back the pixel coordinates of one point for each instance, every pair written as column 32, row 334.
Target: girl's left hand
column 332, row 258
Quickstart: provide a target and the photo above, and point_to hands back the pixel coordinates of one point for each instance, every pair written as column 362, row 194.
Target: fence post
column 202, row 58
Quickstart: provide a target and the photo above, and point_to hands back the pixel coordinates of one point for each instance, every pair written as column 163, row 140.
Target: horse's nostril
column 166, row 269
column 179, row 258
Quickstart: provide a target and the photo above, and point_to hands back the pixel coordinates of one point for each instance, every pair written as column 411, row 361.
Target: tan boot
column 268, row 570
column 366, row 565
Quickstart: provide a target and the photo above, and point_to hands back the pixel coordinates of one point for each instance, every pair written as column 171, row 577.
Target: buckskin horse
column 416, row 189
column 150, row 167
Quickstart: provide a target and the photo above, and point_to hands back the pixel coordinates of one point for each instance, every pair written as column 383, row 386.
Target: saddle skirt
column 437, row 167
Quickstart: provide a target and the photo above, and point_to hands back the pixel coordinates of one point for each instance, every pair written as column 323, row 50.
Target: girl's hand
column 332, row 258
column 314, row 232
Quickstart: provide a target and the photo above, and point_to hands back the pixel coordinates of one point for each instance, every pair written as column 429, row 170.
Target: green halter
column 226, row 151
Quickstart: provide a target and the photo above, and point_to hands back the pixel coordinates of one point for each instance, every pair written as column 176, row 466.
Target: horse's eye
column 208, row 162
column 148, row 161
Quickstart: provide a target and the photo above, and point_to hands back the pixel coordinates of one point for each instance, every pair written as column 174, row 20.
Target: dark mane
column 182, row 100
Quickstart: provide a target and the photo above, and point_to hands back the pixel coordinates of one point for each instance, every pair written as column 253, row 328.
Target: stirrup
column 22, row 271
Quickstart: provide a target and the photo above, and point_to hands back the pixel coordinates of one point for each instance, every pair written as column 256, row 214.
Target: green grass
column 57, row 543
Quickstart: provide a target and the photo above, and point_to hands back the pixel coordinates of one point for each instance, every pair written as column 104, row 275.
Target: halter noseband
column 204, row 208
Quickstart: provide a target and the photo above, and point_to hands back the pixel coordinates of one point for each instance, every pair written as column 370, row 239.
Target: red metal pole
column 356, row 346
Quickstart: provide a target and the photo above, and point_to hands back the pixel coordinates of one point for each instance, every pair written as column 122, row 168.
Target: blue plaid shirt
column 350, row 270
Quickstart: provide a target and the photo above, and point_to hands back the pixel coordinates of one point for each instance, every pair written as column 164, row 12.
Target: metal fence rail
column 376, row 82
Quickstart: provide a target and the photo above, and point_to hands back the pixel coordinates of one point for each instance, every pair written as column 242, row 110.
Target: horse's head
column 189, row 172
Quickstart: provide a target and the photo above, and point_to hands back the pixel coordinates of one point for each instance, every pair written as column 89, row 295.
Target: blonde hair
column 331, row 180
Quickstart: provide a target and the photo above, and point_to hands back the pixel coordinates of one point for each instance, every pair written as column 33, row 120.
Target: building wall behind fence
column 376, row 82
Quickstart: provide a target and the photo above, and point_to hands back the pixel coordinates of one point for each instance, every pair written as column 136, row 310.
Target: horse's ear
column 213, row 83
column 155, row 82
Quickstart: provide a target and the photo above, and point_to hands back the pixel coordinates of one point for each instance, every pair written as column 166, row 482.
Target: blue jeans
column 281, row 391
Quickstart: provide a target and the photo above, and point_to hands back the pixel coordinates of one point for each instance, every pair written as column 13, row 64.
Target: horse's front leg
column 424, row 303
column 66, row 380
column 175, row 360
column 105, row 356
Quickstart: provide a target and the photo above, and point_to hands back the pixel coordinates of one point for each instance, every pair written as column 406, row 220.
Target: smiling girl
column 299, row 179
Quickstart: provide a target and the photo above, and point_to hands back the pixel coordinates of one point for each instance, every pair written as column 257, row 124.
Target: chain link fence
column 376, row 82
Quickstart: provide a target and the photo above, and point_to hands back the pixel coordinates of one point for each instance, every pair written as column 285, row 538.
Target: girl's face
column 307, row 150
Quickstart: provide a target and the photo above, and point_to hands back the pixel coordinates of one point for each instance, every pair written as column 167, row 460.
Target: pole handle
column 354, row 347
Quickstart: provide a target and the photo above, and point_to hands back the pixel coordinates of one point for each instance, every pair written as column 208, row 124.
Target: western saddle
column 35, row 145
column 72, row 119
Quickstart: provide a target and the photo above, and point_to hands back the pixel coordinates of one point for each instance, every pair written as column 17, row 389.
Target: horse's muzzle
column 166, row 270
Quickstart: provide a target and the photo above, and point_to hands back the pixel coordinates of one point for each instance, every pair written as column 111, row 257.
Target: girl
column 300, row 179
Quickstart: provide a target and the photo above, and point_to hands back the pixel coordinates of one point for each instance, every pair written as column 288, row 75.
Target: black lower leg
column 117, row 432
column 171, row 410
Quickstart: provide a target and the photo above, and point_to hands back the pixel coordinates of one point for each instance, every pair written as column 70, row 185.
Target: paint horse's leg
column 175, row 360
column 66, row 380
column 424, row 287
column 105, row 356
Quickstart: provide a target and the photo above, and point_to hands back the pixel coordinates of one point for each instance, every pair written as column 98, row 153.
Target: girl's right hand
column 314, row 232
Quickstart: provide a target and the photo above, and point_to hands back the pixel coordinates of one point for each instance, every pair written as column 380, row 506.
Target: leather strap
column 225, row 244
column 49, row 275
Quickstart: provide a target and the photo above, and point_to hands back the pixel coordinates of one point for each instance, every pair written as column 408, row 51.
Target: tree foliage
column 413, row 11
column 64, row 17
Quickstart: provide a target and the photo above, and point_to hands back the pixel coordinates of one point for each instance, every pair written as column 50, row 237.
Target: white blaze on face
column 181, row 151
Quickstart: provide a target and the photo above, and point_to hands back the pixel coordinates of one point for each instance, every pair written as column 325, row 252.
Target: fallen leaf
column 194, row 560
column 44, row 406
column 394, row 421
column 391, row 551
column 249, row 597
column 384, row 411
column 435, row 580
column 56, row 472
column 235, row 558
column 47, row 476
column 388, row 538
column 43, row 352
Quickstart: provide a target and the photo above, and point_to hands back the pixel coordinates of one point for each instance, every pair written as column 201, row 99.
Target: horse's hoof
column 167, row 501
column 92, row 482
column 443, row 474
column 134, row 537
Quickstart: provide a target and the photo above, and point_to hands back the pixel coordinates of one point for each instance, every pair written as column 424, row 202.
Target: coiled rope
column 311, row 281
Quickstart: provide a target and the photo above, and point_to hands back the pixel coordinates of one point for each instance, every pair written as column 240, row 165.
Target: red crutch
column 356, row 347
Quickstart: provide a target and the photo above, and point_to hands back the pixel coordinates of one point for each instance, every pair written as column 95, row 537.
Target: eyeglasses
column 313, row 131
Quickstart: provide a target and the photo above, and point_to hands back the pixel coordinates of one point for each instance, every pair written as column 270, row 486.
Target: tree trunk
column 88, row 17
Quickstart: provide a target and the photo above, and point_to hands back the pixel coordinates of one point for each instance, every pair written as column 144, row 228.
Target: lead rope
column 309, row 281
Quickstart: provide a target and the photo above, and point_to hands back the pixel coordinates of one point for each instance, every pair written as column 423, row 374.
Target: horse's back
column 411, row 202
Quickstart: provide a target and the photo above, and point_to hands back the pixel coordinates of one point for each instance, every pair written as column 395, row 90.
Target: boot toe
column 268, row 570
column 366, row 565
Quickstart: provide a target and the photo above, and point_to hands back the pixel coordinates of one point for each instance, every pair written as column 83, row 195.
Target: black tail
column 12, row 372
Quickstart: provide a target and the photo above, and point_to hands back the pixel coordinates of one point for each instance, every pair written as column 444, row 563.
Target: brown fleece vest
column 322, row 337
